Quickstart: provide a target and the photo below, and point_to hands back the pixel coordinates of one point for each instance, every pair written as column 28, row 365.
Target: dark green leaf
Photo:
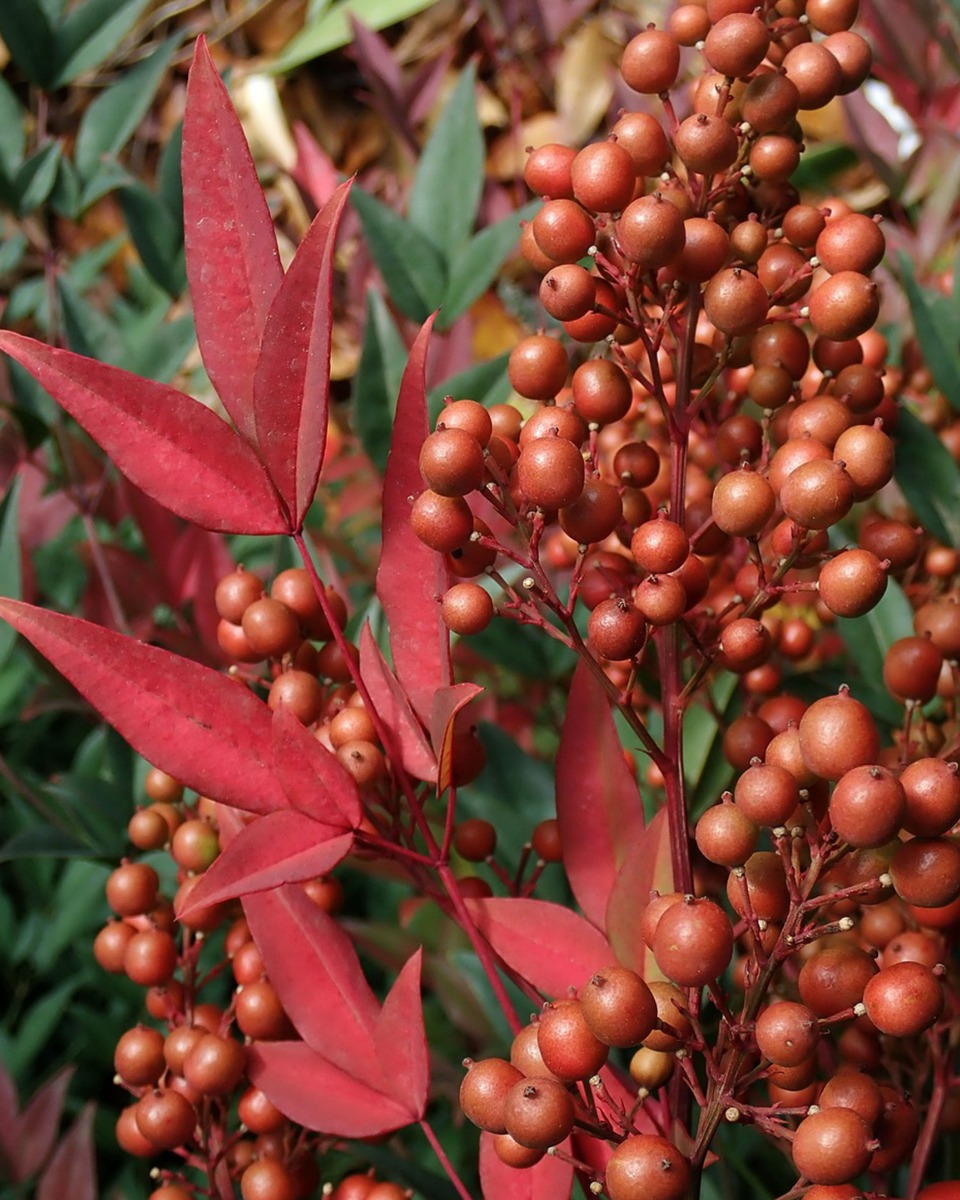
column 392, row 1166
column 702, row 738
column 820, row 164
column 410, row 263
column 331, row 29
column 169, row 181
column 85, row 269
column 868, row 638
column 10, row 577
column 13, row 133
column 157, row 237
column 160, row 352
column 65, row 194
column 38, row 1026
column 474, row 265
column 36, row 178
column 90, row 33
column 929, row 478
column 936, row 321
column 449, row 179
column 382, row 360
column 12, row 250
column 44, row 841
column 111, row 120
column 475, row 383
column 88, row 331
column 28, row 35
column 109, row 177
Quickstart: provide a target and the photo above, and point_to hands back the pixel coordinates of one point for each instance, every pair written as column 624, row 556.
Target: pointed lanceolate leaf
column 313, row 966
column 447, row 702
column 646, row 869
column 598, row 802
column 171, row 446
column 292, row 383
column 546, row 943
column 401, row 1041
column 320, row 1095
column 312, row 777
column 411, row 577
column 549, row 1179
column 233, row 264
column 391, row 703
column 36, row 1128
column 206, row 730
column 72, row 1170
column 282, row 847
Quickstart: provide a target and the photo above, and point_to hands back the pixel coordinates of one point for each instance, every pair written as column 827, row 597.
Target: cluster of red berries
column 686, row 473
column 185, row 1071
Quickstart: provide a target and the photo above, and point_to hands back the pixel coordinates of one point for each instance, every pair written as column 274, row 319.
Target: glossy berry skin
column 867, row 807
column 646, row 1167
column 538, row 1113
column 568, row 1047
column 484, row 1090
column 550, row 472
column 787, row 1033
column 904, row 999
column 165, row 1118
column 837, row 733
column 693, row 943
column 267, row 1179
column 618, row 1006
column 831, row 1146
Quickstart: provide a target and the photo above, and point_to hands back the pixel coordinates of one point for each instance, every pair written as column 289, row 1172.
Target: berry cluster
column 687, row 463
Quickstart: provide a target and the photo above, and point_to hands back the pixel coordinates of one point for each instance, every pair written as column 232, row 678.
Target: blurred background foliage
column 431, row 105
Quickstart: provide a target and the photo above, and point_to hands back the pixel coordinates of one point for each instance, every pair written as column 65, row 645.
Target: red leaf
column 314, row 169
column 411, row 577
column 598, row 802
column 401, row 1041
column 281, row 847
column 173, row 447
column 9, row 1140
column 313, row 966
column 208, row 731
column 291, row 388
column 447, row 702
column 314, row 779
column 36, row 1130
column 646, row 868
column 549, row 1179
column 72, row 1170
column 320, row 1095
column 233, row 265
column 547, row 944
column 392, row 704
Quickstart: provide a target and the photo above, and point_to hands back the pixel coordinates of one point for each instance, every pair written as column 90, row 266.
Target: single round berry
column 867, row 806
column 693, row 943
column 745, row 644
column 138, row 1058
column 235, row 593
column 132, row 889
column 568, row 1048
column 650, row 62
column 538, row 1113
column 618, row 1006
column 547, row 171
column 550, row 472
column 475, row 839
column 567, row 291
column 651, row 232
column 271, row 628
column 484, row 1090
column 851, row 243
column 837, row 733
column 706, row 144
column 601, row 391
column 646, row 1167
column 832, row 980
column 737, row 44
column 594, row 515
column 852, row 583
column 215, row 1065
column 817, row 494
column 726, row 836
column 616, row 630
column 165, row 1118
column 831, row 1146
column 267, row 1179
column 673, row 1026
column 814, row 72
column 844, row 306
column 787, row 1033
column 904, row 999
column 603, row 177
column 537, row 367
column 466, row 608
column 736, row 301
column 760, row 888
column 642, row 136
column 926, row 872
column 660, row 546
column 546, row 840
column 661, row 598
column 150, row 957
column 444, row 523
column 911, row 669
column 767, row 794
column 451, row 462
column 932, row 790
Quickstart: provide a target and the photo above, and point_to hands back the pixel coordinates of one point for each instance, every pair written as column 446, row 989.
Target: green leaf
column 382, row 361
column 157, row 236
column 12, row 250
column 169, row 181
column 410, row 263
column 867, row 640
column 820, row 164
column 88, row 331
column 11, row 582
column 77, row 906
column 449, row 179
column 936, row 321
column 481, row 382
column 44, row 841
column 701, row 732
column 474, row 266
column 331, row 28
column 928, row 477
column 160, row 352
column 109, row 177
column 39, row 1025
column 36, row 177
column 522, row 649
column 89, row 33
column 13, row 133
column 29, row 38
column 111, row 120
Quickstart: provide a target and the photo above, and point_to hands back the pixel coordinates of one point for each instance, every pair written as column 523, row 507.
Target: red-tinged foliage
column 549, row 1179
column 410, row 740
column 598, row 802
column 282, row 847
column 27, row 1139
column 170, row 445
column 313, row 966
column 646, row 868
column 313, row 170
column 447, row 703
column 312, row 777
column 401, row 1040
column 543, row 942
column 199, row 726
column 72, row 1169
column 320, row 1095
column 291, row 388
column 233, row 265
column 411, row 577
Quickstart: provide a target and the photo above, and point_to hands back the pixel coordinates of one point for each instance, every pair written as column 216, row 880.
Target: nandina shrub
column 316, row 745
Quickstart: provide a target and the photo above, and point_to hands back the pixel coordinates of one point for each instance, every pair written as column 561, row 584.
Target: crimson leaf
column 546, row 943
column 401, row 1041
column 171, row 446
column 313, row 966
column 598, row 802
column 291, row 387
column 313, row 778
column 233, row 265
column 646, row 868
column 411, row 577
column 318, row 1094
column 36, row 1128
column 72, row 1170
column 206, row 730
column 549, row 1179
column 411, row 745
